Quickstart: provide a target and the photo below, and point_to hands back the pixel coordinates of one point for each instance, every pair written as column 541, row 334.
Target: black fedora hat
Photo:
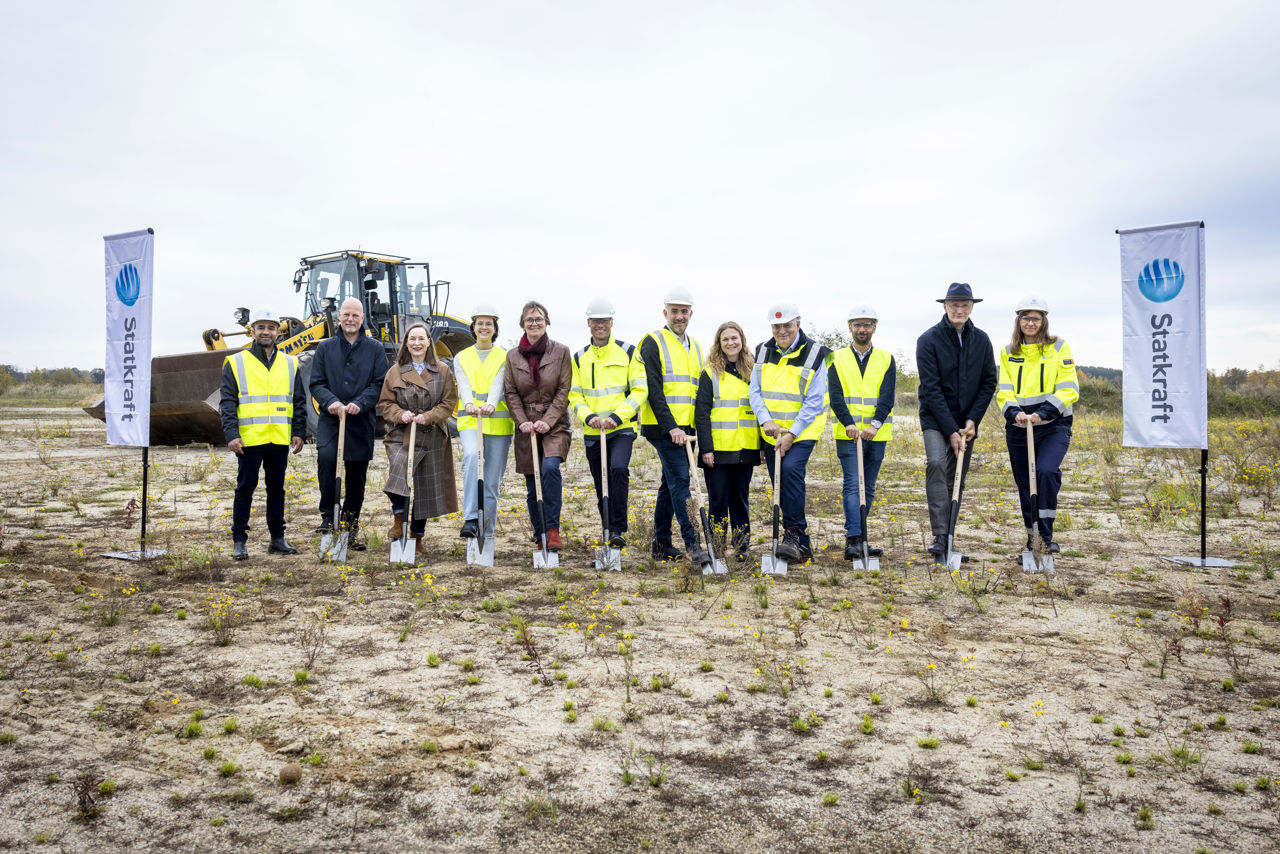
column 959, row 291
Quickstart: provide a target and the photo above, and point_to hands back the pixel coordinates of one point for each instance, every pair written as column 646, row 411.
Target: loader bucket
column 185, row 393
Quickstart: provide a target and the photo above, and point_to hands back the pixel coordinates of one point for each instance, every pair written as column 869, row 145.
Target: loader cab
column 374, row 280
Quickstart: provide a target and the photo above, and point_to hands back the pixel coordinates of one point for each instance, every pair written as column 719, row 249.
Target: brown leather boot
column 419, row 550
column 397, row 527
column 553, row 540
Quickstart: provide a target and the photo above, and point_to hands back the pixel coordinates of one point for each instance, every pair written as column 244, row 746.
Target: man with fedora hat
column 957, row 378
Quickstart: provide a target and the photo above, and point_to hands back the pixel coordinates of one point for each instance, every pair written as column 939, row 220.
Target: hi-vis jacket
column 676, row 368
column 1040, row 380
column 861, row 394
column 262, row 403
column 608, row 381
column 791, row 389
column 731, row 420
column 480, row 376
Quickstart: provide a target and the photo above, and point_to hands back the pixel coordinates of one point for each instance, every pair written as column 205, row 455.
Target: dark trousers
column 400, row 504
column 551, row 485
column 620, row 445
column 673, row 494
column 273, row 460
column 353, row 477
column 728, row 490
column 794, row 464
column 939, row 478
column 1051, row 443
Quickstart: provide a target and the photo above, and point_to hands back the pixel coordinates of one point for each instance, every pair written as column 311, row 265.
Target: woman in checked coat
column 419, row 388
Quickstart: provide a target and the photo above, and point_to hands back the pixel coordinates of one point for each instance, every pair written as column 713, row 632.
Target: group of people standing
column 737, row 407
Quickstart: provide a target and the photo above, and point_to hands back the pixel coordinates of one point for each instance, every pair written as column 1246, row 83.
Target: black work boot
column 470, row 529
column 240, row 549
column 789, row 547
column 665, row 552
column 280, row 546
column 853, row 547
column 325, row 526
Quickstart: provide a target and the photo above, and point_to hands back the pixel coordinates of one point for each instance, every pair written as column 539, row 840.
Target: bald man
column 346, row 376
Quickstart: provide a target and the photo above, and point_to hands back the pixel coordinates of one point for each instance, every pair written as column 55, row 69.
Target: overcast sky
column 833, row 153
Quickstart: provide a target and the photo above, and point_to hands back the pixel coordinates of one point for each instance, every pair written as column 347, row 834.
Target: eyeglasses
column 537, row 321
column 1028, row 319
column 864, row 326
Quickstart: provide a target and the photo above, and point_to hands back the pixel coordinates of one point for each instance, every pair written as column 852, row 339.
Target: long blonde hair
column 717, row 361
column 1042, row 337
column 403, row 357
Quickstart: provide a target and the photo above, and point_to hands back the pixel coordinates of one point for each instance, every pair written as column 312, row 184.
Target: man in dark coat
column 957, row 378
column 346, row 376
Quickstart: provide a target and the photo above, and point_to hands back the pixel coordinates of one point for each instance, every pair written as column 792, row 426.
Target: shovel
column 713, row 565
column 954, row 558
column 1035, row 559
column 771, row 564
column 333, row 545
column 402, row 551
column 606, row 557
column 868, row 562
column 542, row 558
column 479, row 549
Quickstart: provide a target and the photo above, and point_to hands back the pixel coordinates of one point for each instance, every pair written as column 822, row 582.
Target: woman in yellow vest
column 419, row 388
column 479, row 372
column 1037, row 385
column 730, row 436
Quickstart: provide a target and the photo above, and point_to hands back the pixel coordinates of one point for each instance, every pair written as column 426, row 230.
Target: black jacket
column 353, row 376
column 652, row 358
column 702, row 420
column 231, row 394
column 956, row 382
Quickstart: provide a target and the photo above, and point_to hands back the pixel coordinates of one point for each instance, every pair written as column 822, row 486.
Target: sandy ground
column 900, row 710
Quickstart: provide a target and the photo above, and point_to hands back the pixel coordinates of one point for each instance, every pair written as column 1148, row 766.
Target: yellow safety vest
column 861, row 391
column 481, row 374
column 783, row 385
column 680, row 371
column 1038, row 373
column 608, row 379
column 733, row 423
column 264, row 409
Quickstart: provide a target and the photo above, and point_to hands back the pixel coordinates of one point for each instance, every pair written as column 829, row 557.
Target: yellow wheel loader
column 395, row 292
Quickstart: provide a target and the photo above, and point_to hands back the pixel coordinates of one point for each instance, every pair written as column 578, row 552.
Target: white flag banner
column 1166, row 401
column 127, row 384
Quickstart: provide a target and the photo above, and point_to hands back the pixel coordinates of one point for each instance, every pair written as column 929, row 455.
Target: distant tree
column 97, row 376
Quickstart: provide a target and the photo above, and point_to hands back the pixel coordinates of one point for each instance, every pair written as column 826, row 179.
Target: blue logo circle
column 128, row 285
column 1161, row 280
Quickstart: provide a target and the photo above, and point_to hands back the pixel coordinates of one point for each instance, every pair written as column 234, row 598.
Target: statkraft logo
column 1161, row 280
column 128, row 285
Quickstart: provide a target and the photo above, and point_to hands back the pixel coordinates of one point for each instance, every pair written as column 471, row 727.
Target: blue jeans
column 1051, row 441
column 792, row 497
column 673, row 494
column 496, row 449
column 872, row 458
column 550, row 496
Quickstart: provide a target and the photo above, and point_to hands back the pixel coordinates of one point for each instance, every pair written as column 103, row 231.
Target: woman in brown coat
column 536, row 386
column 419, row 388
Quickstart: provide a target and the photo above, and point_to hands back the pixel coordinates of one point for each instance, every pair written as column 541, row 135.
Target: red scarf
column 533, row 353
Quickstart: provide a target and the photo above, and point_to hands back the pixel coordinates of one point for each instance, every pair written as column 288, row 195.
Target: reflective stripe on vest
column 861, row 391
column 481, row 374
column 603, row 382
column 680, row 368
column 733, row 423
column 264, row 407
column 783, row 385
column 1035, row 376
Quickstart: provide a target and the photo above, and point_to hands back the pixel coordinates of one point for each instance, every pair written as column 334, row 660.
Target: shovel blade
column 869, row 564
column 953, row 561
column 1030, row 564
column 477, row 556
column 404, row 550
column 607, row 558
column 335, row 549
column 770, row 565
column 545, row 560
column 715, row 567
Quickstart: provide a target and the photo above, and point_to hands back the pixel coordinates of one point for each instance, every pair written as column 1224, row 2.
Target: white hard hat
column 262, row 313
column 679, row 296
column 599, row 309
column 1032, row 304
column 863, row 312
column 783, row 312
column 484, row 309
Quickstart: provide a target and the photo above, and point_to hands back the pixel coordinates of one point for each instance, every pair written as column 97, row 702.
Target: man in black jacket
column 346, row 375
column 957, row 378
